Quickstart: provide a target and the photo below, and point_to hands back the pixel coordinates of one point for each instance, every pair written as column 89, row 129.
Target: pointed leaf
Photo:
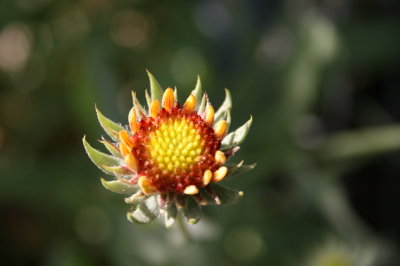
column 170, row 213
column 192, row 210
column 119, row 187
column 98, row 158
column 226, row 106
column 227, row 195
column 119, row 171
column 176, row 95
column 139, row 109
column 112, row 148
column 155, row 89
column 148, row 99
column 240, row 168
column 110, row 127
column 202, row 107
column 145, row 212
column 197, row 92
column 235, row 138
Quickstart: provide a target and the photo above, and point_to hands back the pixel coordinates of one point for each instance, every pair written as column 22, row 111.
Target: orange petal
column 220, row 174
column 191, row 190
column 190, row 103
column 154, row 108
column 124, row 149
column 221, row 129
column 168, row 100
column 146, row 186
column 130, row 161
column 125, row 138
column 132, row 120
column 207, row 177
column 209, row 115
column 220, row 157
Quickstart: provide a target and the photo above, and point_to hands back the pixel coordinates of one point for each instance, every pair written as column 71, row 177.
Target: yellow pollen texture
column 175, row 145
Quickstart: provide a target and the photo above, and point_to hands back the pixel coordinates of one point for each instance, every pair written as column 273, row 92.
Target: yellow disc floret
column 175, row 145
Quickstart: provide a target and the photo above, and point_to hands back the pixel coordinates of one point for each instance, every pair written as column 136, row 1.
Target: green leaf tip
column 118, row 186
column 110, row 127
column 225, row 106
column 99, row 158
column 156, row 91
column 236, row 137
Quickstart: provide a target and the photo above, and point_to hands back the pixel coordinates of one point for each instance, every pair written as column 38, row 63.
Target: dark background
column 321, row 79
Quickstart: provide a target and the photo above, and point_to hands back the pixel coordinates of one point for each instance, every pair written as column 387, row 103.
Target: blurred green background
column 321, row 79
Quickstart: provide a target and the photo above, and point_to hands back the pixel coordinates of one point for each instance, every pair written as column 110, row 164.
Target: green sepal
column 118, row 186
column 238, row 169
column 202, row 107
column 156, row 91
column 111, row 128
column 192, row 210
column 139, row 109
column 170, row 211
column 119, row 171
column 111, row 148
column 197, row 92
column 145, row 212
column 226, row 106
column 176, row 95
column 236, row 137
column 148, row 99
column 226, row 195
column 100, row 159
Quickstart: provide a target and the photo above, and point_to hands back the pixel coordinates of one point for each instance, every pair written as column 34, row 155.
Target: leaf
column 148, row 99
column 100, row 159
column 170, row 213
column 236, row 137
column 197, row 92
column 202, row 107
column 119, row 171
column 139, row 109
column 226, row 106
column 240, row 168
column 156, row 91
column 207, row 197
column 111, row 148
column 192, row 210
column 226, row 195
column 110, row 127
column 176, row 95
column 119, row 187
column 145, row 212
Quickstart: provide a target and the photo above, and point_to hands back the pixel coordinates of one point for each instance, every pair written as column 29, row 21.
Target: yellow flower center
column 176, row 144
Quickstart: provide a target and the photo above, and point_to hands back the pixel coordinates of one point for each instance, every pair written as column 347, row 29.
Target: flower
column 170, row 156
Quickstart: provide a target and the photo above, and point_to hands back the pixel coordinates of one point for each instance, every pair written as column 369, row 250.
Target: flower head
column 171, row 156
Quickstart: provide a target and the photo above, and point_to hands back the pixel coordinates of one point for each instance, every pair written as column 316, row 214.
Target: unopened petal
column 132, row 120
column 154, row 108
column 220, row 174
column 220, row 157
column 146, row 186
column 207, row 176
column 221, row 129
column 190, row 103
column 209, row 115
column 168, row 101
column 191, row 190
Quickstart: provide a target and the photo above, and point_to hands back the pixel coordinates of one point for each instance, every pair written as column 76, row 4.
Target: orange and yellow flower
column 174, row 152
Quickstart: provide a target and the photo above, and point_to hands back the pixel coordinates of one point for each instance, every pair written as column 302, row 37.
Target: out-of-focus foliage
column 321, row 79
